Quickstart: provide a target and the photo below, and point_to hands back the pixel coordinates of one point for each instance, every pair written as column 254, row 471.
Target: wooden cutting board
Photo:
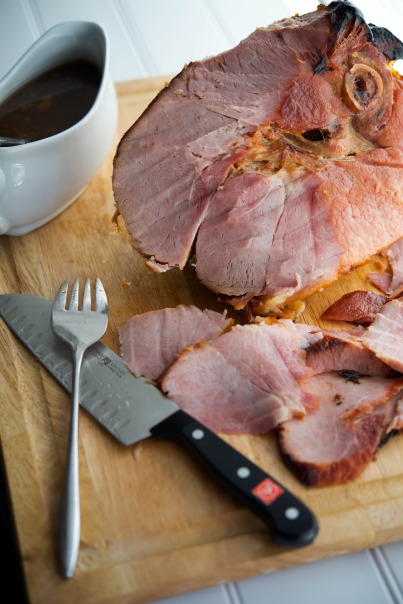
column 152, row 524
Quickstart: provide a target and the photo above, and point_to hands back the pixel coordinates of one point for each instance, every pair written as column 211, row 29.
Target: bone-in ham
column 276, row 166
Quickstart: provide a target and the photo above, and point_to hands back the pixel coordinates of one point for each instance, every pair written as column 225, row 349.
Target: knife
column 132, row 409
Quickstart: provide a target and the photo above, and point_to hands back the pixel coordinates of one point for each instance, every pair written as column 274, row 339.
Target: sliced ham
column 149, row 342
column 391, row 282
column 356, row 307
column 397, row 420
column 381, row 280
column 333, row 396
column 278, row 163
column 384, row 335
column 334, row 443
column 248, row 380
column 338, row 351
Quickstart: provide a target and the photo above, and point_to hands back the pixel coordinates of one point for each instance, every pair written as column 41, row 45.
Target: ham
column 277, row 165
column 397, row 421
column 247, row 381
column 335, row 442
column 332, row 396
column 356, row 307
column 391, row 283
column 384, row 335
column 340, row 351
column 149, row 342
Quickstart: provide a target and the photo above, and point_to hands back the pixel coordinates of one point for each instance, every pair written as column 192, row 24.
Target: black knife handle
column 291, row 522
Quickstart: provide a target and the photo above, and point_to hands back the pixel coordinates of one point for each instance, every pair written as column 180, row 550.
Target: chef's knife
column 132, row 409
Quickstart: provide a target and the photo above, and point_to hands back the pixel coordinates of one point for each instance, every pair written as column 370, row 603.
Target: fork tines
column 101, row 305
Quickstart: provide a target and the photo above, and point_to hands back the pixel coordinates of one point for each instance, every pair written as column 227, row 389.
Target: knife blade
column 132, row 409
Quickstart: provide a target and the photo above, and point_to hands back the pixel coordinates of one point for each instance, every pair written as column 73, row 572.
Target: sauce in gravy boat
column 58, row 118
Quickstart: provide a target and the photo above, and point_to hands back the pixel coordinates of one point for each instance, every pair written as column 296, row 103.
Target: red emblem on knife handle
column 267, row 491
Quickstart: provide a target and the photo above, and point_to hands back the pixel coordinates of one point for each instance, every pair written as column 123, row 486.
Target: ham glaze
column 277, row 165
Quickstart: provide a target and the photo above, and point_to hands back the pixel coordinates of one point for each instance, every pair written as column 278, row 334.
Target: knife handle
column 291, row 522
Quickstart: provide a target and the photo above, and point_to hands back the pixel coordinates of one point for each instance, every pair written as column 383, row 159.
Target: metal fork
column 78, row 328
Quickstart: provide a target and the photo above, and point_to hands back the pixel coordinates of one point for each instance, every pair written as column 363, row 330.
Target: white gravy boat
column 38, row 180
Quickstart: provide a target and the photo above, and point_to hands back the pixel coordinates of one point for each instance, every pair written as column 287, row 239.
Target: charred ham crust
column 324, row 343
column 321, row 65
column 344, row 18
column 350, row 375
column 386, row 42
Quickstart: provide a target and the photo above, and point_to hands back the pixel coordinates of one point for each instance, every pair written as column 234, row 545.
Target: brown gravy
column 50, row 103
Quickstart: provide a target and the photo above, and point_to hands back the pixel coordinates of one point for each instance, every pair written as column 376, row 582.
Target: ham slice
column 340, row 351
column 247, row 381
column 150, row 342
column 334, row 443
column 391, row 283
column 384, row 335
column 356, row 307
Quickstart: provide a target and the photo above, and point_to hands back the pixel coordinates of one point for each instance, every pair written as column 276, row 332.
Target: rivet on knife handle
column 291, row 522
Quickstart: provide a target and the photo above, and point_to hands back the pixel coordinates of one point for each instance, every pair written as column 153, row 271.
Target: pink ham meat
column 334, row 443
column 384, row 336
column 341, row 351
column 332, row 396
column 397, row 420
column 150, row 342
column 277, row 164
column 391, row 283
column 247, row 381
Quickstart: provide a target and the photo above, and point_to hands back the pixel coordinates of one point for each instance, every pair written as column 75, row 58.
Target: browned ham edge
column 340, row 351
column 356, row 307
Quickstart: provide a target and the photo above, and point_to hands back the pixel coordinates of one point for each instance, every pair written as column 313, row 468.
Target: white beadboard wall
column 157, row 37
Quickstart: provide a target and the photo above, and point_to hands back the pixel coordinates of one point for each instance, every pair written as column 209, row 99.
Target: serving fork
column 78, row 328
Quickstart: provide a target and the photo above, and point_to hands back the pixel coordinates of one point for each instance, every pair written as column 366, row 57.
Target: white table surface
column 157, row 37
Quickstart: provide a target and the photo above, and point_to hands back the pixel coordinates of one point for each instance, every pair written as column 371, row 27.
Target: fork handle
column 69, row 529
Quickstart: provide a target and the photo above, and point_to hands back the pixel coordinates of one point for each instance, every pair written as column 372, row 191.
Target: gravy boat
column 38, row 180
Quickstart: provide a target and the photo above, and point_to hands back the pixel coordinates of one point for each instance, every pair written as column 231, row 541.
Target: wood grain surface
column 153, row 525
